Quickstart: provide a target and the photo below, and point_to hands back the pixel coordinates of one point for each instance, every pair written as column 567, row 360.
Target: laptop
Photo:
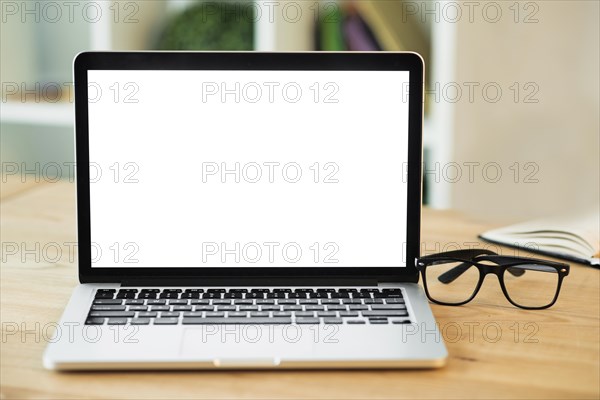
column 247, row 210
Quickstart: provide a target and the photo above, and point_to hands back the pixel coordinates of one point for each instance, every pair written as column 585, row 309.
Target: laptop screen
column 248, row 168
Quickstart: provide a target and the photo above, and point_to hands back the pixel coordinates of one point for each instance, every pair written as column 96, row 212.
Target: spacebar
column 236, row 321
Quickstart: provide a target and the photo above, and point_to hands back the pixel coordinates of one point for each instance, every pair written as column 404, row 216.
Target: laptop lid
column 248, row 168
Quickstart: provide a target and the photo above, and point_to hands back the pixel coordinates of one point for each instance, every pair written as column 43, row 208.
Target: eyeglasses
column 453, row 278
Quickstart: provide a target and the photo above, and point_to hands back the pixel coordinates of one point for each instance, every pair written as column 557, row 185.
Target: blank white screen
column 160, row 140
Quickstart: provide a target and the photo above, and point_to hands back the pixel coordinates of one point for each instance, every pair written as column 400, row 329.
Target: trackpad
column 253, row 342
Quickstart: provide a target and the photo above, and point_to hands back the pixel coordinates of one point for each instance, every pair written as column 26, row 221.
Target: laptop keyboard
column 248, row 306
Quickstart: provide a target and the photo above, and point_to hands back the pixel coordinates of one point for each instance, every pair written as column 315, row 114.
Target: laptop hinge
column 256, row 282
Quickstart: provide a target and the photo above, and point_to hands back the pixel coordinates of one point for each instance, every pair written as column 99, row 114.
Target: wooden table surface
column 496, row 350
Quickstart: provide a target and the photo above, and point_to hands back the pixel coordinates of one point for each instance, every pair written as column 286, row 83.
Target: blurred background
column 512, row 115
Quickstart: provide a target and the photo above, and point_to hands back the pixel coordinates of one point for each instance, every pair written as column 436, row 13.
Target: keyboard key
column 226, row 308
column 385, row 313
column 215, row 314
column 394, row 300
column 202, row 301
column 237, row 314
column 172, row 290
column 332, row 320
column 259, row 314
column 326, row 314
column 336, row 307
column 260, row 291
column 248, row 308
column 348, row 313
column 169, row 314
column 339, row 295
column 270, row 308
column 105, row 293
column 326, row 290
column 303, row 320
column 355, row 321
column 282, row 314
column 351, row 301
column 378, row 321
column 160, row 308
column 282, row 290
column 108, row 308
column 117, row 321
column 189, row 295
column 401, row 321
column 134, row 302
column 156, row 302
column 307, row 301
column 204, row 308
column 221, row 302
column 239, row 321
column 266, row 301
column 234, row 295
column 357, row 307
column 314, row 308
column 243, row 301
column 275, row 295
column 138, row 308
column 150, row 290
column 305, row 314
column 125, row 295
column 150, row 314
column 387, row 294
column 373, row 301
column 94, row 321
column 254, row 296
column 112, row 314
column 216, row 291
column 292, row 308
column 108, row 301
column 330, row 301
column 140, row 321
column 192, row 314
column 184, row 308
column 388, row 307
column 169, row 295
column 369, row 290
column 178, row 302
column 166, row 321
column 286, row 301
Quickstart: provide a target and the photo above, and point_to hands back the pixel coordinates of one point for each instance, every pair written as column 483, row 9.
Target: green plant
column 211, row 26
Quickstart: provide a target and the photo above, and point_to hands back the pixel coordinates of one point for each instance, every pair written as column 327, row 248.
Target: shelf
column 59, row 114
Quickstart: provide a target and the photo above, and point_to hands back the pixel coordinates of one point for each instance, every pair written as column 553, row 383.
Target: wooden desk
column 496, row 350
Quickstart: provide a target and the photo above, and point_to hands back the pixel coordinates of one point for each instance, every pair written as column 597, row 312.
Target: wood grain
column 496, row 350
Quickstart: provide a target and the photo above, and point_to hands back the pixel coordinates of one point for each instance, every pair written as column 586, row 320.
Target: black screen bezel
column 339, row 61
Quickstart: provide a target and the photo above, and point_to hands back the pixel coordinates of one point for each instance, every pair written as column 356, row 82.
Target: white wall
column 559, row 134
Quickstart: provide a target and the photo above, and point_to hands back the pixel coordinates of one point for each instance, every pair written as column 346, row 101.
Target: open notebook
column 574, row 238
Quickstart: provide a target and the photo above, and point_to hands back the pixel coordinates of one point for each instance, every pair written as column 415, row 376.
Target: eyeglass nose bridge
column 489, row 269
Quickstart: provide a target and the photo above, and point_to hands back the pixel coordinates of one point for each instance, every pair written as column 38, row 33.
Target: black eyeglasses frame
column 474, row 257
